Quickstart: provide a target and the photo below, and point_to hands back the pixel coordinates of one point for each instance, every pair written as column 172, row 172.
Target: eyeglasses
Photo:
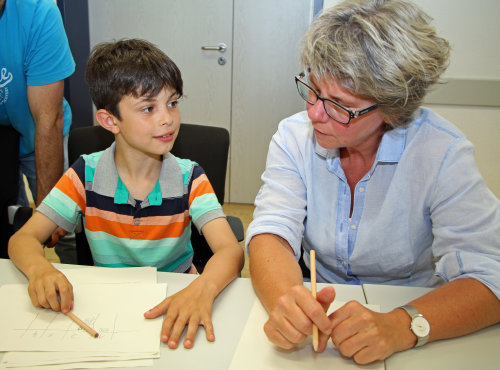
column 335, row 110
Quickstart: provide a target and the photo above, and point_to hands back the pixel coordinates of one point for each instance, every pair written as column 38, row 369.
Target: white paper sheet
column 96, row 275
column 254, row 350
column 32, row 359
column 114, row 310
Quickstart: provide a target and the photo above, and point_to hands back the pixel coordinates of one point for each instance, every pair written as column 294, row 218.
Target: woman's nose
column 316, row 111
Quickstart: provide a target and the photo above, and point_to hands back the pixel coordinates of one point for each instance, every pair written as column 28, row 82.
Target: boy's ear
column 107, row 120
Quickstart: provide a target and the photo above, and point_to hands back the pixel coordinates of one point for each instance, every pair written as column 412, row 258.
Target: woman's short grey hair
column 385, row 50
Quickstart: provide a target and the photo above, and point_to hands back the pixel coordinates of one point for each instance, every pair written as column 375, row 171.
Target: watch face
column 420, row 326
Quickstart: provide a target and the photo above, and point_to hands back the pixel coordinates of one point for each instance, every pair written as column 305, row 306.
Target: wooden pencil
column 82, row 324
column 313, row 290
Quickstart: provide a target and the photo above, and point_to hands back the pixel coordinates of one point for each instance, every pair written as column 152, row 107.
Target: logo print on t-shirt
column 5, row 79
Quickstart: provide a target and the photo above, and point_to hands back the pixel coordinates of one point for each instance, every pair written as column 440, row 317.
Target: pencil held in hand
column 82, row 325
column 313, row 290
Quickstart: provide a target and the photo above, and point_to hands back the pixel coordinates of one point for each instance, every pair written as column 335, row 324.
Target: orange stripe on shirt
column 127, row 219
column 200, row 186
column 71, row 185
column 126, row 230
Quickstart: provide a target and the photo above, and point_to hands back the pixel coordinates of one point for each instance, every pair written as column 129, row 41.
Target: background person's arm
column 46, row 106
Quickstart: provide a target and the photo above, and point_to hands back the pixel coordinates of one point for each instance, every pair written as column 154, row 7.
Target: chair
column 9, row 186
column 206, row 145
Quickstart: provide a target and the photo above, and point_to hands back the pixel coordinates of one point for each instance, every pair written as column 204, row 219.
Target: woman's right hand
column 49, row 288
column 291, row 320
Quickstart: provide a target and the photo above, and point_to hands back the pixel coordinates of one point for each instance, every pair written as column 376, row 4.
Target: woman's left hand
column 190, row 307
column 368, row 336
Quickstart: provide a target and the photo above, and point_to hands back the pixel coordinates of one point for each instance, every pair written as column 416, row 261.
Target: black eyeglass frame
column 352, row 114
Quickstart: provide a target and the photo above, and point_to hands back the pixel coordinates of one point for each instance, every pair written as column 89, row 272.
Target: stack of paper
column 111, row 301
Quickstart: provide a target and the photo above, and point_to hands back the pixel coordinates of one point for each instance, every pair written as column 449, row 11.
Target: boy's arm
column 228, row 258
column 192, row 306
column 48, row 287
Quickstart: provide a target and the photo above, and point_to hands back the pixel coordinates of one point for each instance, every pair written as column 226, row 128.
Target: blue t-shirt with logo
column 34, row 51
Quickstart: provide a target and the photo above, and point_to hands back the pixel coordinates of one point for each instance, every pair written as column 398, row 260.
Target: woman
column 385, row 191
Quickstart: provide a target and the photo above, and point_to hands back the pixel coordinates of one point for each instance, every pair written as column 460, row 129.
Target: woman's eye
column 173, row 104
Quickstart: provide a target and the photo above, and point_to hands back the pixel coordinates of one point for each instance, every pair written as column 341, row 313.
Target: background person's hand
column 57, row 235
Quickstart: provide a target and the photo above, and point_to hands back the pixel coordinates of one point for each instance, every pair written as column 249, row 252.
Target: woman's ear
column 107, row 121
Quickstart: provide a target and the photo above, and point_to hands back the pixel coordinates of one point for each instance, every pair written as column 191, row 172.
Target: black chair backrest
column 86, row 140
column 209, row 147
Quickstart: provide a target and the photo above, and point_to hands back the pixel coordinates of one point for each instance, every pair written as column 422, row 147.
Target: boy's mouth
column 166, row 137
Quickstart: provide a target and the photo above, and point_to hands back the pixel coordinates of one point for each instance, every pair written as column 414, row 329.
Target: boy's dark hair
column 129, row 67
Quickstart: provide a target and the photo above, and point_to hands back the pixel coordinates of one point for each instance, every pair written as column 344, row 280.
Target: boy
column 136, row 198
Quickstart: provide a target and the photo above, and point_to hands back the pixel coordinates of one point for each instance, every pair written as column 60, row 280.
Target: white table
column 229, row 317
column 477, row 351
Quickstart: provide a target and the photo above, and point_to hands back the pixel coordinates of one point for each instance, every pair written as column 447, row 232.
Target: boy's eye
column 147, row 109
column 173, row 104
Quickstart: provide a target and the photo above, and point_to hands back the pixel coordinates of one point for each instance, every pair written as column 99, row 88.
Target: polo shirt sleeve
column 66, row 202
column 48, row 56
column 203, row 203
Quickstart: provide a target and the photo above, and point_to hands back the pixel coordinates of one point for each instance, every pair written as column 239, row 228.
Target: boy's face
column 149, row 125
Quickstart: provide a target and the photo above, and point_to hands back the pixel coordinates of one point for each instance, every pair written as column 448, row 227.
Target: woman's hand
column 368, row 336
column 49, row 288
column 192, row 306
column 291, row 320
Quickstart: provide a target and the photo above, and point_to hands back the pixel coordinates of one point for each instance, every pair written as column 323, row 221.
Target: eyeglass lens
column 337, row 113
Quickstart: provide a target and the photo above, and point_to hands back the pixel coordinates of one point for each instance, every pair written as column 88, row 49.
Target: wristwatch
column 419, row 325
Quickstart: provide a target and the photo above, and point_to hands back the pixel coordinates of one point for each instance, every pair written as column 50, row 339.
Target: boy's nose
column 166, row 118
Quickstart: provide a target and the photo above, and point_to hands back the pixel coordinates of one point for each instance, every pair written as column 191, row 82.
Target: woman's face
column 330, row 134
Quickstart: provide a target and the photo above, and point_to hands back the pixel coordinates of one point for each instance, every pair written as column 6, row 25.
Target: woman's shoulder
column 429, row 123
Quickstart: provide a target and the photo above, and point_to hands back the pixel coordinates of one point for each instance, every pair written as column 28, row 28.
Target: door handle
column 221, row 47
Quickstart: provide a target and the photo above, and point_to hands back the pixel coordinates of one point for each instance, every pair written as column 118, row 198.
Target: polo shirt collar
column 107, row 182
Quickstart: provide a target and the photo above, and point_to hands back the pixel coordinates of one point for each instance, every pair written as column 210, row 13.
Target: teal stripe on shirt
column 112, row 250
column 67, row 208
column 202, row 205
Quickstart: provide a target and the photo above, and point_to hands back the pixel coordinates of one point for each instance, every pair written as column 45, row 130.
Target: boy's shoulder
column 189, row 169
column 92, row 159
column 185, row 164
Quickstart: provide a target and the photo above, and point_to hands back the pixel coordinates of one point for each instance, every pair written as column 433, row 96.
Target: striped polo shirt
column 122, row 231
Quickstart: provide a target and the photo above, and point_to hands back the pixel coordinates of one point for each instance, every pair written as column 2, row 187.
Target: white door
column 180, row 28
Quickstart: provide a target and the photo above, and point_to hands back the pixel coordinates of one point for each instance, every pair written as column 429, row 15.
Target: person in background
column 35, row 58
column 137, row 199
column 384, row 190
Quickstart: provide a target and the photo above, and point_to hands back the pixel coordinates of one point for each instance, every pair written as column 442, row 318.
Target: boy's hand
column 291, row 319
column 192, row 306
column 49, row 288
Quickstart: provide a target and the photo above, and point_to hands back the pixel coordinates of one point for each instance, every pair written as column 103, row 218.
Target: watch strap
column 413, row 312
